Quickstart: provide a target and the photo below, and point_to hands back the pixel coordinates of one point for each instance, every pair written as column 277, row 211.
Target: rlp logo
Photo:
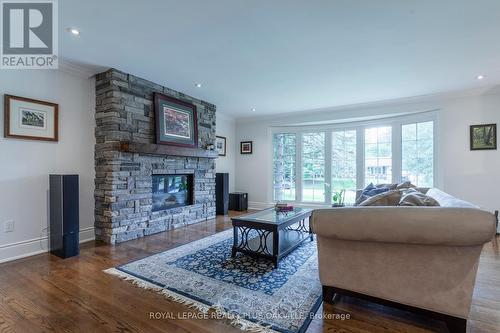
column 27, row 28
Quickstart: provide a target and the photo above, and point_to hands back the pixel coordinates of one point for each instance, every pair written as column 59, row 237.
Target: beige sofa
column 422, row 259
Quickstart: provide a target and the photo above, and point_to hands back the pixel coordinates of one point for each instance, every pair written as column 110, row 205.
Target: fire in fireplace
column 170, row 191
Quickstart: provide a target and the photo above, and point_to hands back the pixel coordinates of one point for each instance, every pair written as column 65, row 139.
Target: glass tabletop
column 271, row 216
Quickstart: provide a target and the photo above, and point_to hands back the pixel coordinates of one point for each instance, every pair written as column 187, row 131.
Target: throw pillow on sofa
column 413, row 197
column 369, row 191
column 388, row 198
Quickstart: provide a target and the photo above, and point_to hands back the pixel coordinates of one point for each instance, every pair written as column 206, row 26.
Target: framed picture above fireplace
column 176, row 122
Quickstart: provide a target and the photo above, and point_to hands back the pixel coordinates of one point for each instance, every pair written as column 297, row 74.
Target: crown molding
column 492, row 89
column 77, row 69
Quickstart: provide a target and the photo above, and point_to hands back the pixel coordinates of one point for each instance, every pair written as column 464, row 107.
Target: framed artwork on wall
column 246, row 147
column 220, row 145
column 31, row 119
column 483, row 137
column 176, row 122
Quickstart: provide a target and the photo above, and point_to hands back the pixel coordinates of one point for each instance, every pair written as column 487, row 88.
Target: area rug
column 247, row 292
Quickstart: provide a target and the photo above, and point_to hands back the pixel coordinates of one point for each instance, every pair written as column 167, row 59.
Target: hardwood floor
column 47, row 294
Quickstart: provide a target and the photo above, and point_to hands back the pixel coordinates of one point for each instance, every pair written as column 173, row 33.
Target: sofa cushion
column 446, row 200
column 412, row 197
column 388, row 198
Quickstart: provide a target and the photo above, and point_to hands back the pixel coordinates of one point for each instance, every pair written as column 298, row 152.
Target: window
column 313, row 167
column 311, row 163
column 344, row 163
column 417, row 142
column 378, row 155
column 284, row 166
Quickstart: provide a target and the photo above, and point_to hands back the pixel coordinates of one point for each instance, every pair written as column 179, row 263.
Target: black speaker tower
column 64, row 215
column 221, row 193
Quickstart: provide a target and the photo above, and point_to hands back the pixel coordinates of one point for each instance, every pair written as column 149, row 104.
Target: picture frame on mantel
column 30, row 119
column 176, row 122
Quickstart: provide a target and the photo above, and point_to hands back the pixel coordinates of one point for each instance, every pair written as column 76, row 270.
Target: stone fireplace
column 144, row 191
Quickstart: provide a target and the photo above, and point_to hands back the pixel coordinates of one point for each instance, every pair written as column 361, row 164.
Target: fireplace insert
column 171, row 191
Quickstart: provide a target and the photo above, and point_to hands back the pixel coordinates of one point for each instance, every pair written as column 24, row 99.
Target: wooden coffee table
column 270, row 234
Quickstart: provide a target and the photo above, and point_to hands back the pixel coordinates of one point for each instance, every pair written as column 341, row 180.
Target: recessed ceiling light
column 197, row 85
column 74, row 31
column 253, row 110
column 480, row 77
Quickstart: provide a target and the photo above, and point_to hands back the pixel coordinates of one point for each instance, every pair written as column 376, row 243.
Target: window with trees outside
column 378, row 155
column 344, row 163
column 284, row 166
column 311, row 164
column 313, row 167
column 418, row 153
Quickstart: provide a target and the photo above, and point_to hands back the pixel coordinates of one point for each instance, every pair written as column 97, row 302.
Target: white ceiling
column 287, row 55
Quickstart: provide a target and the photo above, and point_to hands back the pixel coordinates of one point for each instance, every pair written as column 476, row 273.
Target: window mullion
column 299, row 167
column 435, row 147
column 360, row 157
column 397, row 160
column 328, row 167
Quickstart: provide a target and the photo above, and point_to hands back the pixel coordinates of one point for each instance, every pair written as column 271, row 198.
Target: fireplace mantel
column 153, row 149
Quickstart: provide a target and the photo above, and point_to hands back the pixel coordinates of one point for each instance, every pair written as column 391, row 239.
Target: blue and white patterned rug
column 249, row 292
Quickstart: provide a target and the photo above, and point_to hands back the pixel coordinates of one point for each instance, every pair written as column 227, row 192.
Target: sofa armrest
column 411, row 225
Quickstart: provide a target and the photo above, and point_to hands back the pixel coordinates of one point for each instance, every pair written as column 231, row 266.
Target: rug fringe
column 234, row 319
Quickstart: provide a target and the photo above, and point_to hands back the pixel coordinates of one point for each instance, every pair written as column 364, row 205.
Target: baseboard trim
column 31, row 247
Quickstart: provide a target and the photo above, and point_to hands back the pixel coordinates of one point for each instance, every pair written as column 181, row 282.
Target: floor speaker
column 221, row 193
column 64, row 215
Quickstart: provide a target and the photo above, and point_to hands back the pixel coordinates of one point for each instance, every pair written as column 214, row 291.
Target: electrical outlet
column 8, row 226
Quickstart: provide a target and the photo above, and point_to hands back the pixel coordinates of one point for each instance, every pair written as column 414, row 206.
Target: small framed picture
column 483, row 137
column 26, row 118
column 220, row 145
column 176, row 122
column 246, row 147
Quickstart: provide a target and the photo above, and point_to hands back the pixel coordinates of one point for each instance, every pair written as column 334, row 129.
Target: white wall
column 26, row 164
column 226, row 126
column 471, row 175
